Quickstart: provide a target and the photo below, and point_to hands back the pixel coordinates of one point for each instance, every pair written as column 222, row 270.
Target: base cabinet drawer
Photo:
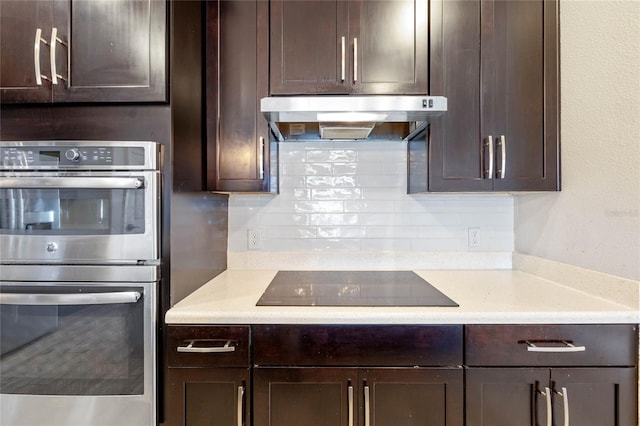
column 551, row 345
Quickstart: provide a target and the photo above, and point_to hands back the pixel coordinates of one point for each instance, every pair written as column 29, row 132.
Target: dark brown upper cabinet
column 83, row 51
column 497, row 62
column 349, row 47
column 239, row 153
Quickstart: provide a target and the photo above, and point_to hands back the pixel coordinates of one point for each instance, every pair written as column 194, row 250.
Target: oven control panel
column 72, row 157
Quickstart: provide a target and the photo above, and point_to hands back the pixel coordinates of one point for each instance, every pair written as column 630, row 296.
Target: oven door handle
column 86, row 182
column 69, row 298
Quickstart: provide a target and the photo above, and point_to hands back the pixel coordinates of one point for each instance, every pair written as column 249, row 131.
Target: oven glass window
column 71, row 349
column 72, row 211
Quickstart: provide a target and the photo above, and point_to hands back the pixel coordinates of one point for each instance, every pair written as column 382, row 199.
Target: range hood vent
column 350, row 117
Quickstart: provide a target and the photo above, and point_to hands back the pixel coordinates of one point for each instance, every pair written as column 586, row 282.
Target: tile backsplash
column 351, row 196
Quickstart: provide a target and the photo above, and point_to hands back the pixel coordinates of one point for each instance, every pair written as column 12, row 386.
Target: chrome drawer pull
column 240, row 412
column 228, row 347
column 547, row 395
column 367, row 407
column 568, row 347
column 343, row 63
column 52, row 46
column 489, row 170
column 36, row 57
column 350, row 408
column 565, row 405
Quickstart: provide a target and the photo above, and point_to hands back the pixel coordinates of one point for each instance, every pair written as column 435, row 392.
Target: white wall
column 595, row 221
column 351, row 197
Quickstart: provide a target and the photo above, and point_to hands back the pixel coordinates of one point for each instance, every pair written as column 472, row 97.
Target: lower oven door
column 75, row 354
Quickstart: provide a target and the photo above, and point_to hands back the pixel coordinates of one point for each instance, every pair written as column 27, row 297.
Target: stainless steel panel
column 18, row 273
column 131, row 410
column 61, row 247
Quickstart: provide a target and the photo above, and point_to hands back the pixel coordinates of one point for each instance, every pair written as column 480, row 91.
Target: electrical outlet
column 474, row 237
column 254, row 239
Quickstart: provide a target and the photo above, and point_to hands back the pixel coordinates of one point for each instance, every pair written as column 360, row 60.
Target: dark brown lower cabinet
column 208, row 396
column 328, row 396
column 208, row 379
column 557, row 374
column 535, row 396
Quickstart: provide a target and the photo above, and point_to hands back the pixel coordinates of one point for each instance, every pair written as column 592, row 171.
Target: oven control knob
column 52, row 247
column 72, row 154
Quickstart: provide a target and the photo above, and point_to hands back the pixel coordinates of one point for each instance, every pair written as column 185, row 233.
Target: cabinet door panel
column 596, row 396
column 19, row 21
column 207, row 396
column 457, row 157
column 303, row 396
column 238, row 154
column 306, row 47
column 520, row 56
column 115, row 50
column 392, row 51
column 506, row 397
column 406, row 397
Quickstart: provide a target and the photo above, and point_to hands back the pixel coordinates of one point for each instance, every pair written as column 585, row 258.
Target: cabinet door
column 389, row 47
column 304, row 396
column 110, row 50
column 238, row 154
column 309, row 47
column 207, row 396
column 411, row 396
column 457, row 157
column 524, row 85
column 595, row 396
column 497, row 63
column 23, row 60
column 506, row 396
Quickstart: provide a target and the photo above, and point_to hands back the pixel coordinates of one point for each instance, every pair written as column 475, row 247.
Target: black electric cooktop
column 351, row 288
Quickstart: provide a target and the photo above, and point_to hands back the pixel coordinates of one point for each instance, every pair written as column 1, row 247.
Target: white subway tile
column 318, row 207
column 331, row 181
column 333, row 219
column 336, row 194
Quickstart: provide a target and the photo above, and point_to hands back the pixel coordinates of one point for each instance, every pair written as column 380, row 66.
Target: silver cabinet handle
column 190, row 348
column 343, row 74
column 72, row 182
column 36, row 57
column 44, row 299
column 261, row 159
column 565, row 405
column 350, row 396
column 503, row 165
column 568, row 347
column 52, row 46
column 489, row 170
column 547, row 395
column 355, row 59
column 367, row 408
column 240, row 403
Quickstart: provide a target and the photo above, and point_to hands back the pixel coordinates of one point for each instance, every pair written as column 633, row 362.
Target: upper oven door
column 79, row 217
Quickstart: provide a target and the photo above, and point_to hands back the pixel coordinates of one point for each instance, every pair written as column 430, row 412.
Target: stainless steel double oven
column 79, row 276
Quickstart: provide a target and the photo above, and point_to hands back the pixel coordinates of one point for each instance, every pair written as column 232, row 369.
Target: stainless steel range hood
column 348, row 117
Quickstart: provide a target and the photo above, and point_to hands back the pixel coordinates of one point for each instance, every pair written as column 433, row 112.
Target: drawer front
column 358, row 345
column 551, row 345
column 208, row 346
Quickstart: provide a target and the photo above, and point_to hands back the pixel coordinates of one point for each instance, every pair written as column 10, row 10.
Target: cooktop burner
column 351, row 288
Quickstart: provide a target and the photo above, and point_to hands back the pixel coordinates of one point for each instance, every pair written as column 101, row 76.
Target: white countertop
column 484, row 297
